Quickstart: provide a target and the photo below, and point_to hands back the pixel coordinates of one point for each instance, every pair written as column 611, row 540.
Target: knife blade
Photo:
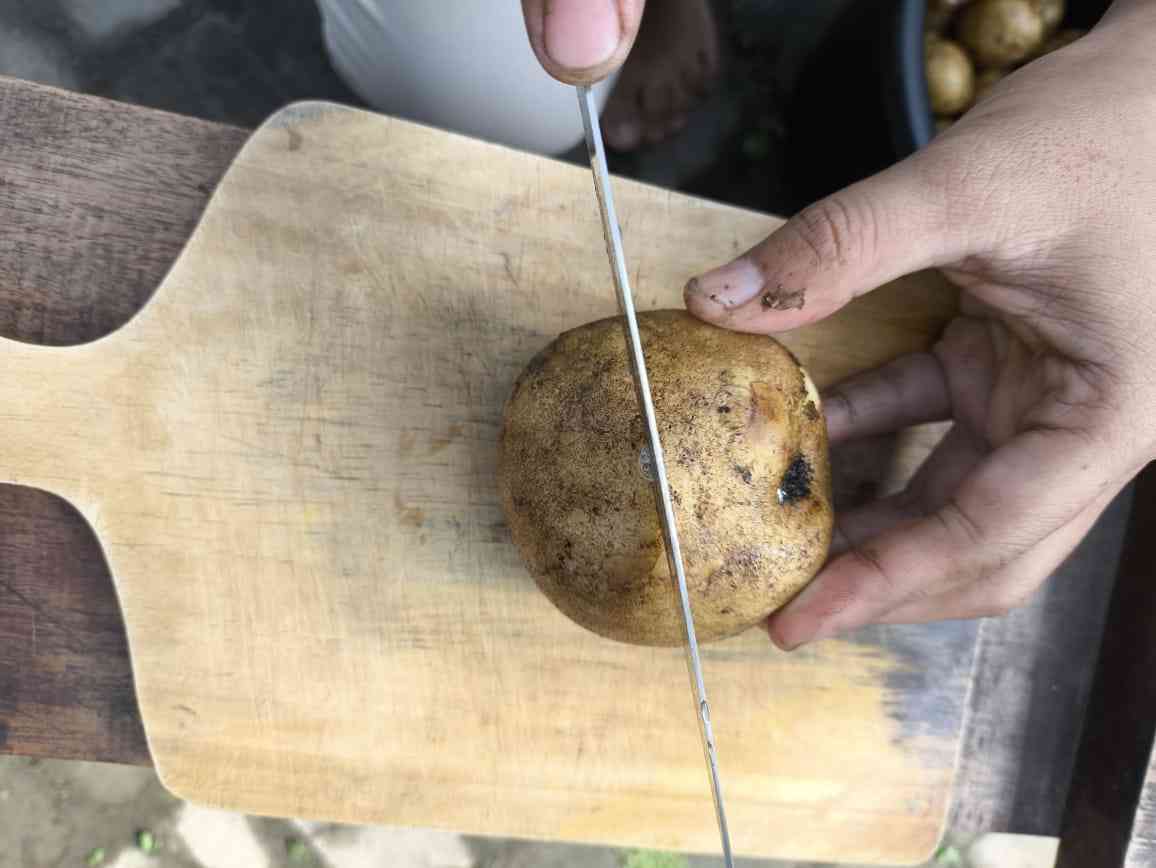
column 653, row 462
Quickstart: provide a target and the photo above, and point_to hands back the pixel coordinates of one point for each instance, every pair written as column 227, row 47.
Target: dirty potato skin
column 746, row 456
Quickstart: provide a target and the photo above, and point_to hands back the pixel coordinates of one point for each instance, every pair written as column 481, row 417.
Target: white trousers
column 461, row 65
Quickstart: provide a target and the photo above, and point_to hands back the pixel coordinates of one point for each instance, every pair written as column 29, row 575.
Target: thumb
column 872, row 232
column 582, row 41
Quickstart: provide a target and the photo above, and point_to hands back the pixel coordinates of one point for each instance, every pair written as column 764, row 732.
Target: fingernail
column 578, row 34
column 788, row 640
column 734, row 284
column 790, row 627
column 779, row 641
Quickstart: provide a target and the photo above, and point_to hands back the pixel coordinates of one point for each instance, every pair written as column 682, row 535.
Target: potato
column 950, row 77
column 986, row 80
column 746, row 455
column 1001, row 32
column 1051, row 12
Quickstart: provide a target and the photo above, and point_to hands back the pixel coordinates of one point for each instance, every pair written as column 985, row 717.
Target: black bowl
column 861, row 102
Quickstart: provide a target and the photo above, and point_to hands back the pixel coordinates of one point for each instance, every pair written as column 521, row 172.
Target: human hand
column 582, row 41
column 1041, row 205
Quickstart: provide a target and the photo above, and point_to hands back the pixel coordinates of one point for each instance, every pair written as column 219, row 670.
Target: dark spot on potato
column 726, row 611
column 796, row 482
column 295, row 139
column 811, row 411
column 745, row 560
column 724, row 409
column 688, row 456
column 581, row 411
column 744, row 472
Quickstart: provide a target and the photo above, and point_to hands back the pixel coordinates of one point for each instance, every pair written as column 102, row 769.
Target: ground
column 56, row 814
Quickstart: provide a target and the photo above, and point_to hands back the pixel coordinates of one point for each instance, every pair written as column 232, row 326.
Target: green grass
column 652, row 859
column 948, row 855
column 296, row 850
column 146, row 841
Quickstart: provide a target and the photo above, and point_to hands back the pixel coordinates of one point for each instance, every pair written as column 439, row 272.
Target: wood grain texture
column 1033, row 676
column 96, row 200
column 301, row 522
column 65, row 685
column 1108, row 820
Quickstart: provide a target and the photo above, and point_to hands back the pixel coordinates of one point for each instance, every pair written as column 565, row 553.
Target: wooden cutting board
column 288, row 457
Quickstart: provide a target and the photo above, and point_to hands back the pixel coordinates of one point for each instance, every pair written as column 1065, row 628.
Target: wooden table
column 96, row 200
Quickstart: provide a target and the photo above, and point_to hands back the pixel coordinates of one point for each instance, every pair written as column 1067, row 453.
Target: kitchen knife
column 653, row 465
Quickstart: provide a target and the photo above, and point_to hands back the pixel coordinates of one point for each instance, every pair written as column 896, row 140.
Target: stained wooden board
column 288, row 459
column 96, row 200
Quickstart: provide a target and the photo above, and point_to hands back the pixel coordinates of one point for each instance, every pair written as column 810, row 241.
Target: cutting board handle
column 51, row 414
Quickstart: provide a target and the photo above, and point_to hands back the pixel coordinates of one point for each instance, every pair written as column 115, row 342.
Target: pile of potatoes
column 969, row 45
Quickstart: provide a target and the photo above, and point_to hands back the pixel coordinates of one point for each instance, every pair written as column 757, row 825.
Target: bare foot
column 673, row 64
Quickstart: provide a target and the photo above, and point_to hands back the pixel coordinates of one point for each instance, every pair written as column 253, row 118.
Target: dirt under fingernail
column 784, row 299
